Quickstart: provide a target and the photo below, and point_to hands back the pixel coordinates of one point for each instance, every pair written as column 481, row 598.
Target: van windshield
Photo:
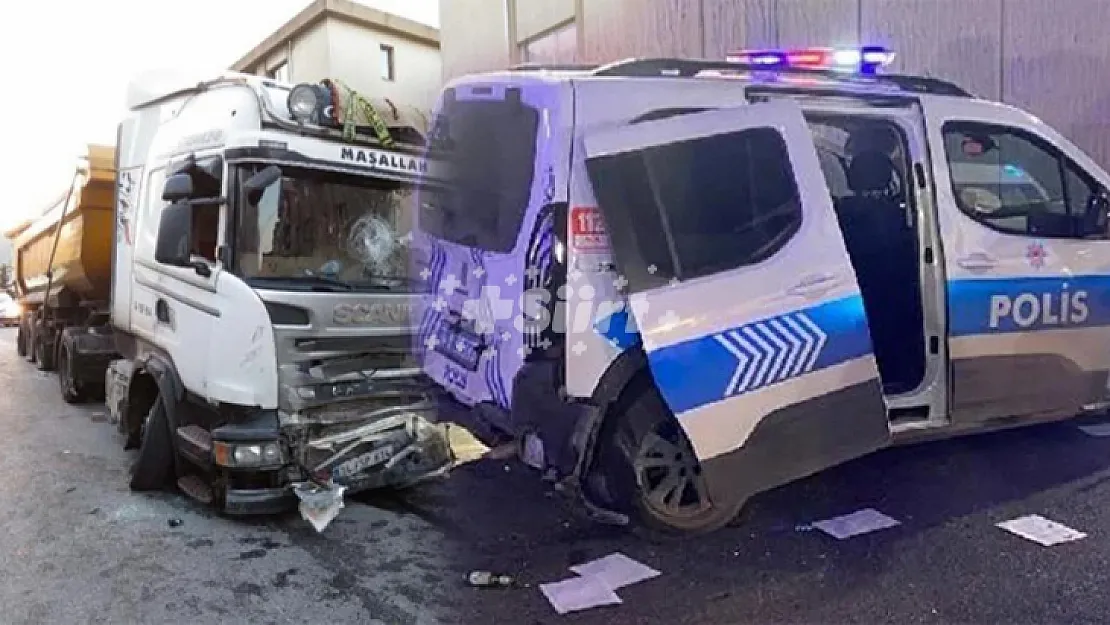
column 489, row 153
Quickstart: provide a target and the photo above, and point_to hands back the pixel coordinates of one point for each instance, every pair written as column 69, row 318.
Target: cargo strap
column 357, row 103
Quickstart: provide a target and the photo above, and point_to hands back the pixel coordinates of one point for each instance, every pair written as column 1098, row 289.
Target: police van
column 683, row 282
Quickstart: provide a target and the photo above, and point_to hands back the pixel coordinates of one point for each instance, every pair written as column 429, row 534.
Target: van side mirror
column 175, row 235
column 257, row 184
column 178, row 187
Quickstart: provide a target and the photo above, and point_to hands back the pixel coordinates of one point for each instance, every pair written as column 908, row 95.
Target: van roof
column 683, row 68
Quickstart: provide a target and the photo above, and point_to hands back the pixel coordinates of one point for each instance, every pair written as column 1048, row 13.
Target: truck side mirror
column 175, row 235
column 178, row 187
column 257, row 184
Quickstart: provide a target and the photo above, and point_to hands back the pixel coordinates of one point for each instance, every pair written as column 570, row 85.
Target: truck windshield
column 489, row 155
column 319, row 230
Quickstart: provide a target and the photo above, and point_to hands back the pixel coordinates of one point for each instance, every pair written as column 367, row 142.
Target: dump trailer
column 63, row 272
column 233, row 277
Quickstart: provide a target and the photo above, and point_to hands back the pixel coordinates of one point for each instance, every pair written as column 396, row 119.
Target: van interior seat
column 883, row 251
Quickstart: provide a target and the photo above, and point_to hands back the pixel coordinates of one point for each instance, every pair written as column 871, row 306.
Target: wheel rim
column 669, row 475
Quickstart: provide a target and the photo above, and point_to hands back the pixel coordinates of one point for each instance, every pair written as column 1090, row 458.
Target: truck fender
column 170, row 390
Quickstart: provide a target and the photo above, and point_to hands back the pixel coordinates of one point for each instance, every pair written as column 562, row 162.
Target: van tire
column 154, row 466
column 637, row 427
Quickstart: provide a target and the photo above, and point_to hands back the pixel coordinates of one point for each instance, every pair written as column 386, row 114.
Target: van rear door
column 742, row 291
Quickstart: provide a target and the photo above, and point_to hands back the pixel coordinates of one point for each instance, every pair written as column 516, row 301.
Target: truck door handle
column 980, row 262
column 813, row 285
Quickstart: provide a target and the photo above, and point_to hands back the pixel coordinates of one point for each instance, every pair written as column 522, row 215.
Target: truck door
column 1022, row 216
column 742, row 291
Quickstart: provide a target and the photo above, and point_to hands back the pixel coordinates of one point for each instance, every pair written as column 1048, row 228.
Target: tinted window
column 1014, row 182
column 697, row 207
column 489, row 151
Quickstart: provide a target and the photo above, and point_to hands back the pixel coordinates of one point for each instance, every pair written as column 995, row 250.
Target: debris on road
column 319, row 504
column 175, row 522
column 597, row 583
column 1096, row 429
column 1041, row 530
column 486, row 579
column 859, row 522
column 578, row 593
column 616, row 570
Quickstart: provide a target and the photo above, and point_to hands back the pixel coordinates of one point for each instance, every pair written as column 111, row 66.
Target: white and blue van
column 683, row 282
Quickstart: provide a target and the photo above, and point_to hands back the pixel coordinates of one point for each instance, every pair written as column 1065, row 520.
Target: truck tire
column 649, row 469
column 72, row 391
column 21, row 339
column 154, row 467
column 44, row 354
column 31, row 338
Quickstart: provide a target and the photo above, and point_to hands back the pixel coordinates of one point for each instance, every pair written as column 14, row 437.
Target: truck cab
column 261, row 303
column 684, row 282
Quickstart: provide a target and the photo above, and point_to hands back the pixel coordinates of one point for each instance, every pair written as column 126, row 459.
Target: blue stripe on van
column 1024, row 304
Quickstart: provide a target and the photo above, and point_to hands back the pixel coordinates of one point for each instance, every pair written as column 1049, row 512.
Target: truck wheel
column 154, row 467
column 44, row 354
column 31, row 338
column 650, row 471
column 21, row 340
column 72, row 391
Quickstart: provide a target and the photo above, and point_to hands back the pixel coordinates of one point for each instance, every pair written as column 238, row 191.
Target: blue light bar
column 862, row 60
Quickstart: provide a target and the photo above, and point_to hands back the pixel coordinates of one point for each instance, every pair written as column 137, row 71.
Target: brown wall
column 1052, row 58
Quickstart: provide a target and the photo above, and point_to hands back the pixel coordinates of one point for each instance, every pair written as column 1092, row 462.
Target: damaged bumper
column 390, row 448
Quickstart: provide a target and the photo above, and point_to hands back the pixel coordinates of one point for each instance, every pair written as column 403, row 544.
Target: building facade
column 375, row 53
column 1046, row 57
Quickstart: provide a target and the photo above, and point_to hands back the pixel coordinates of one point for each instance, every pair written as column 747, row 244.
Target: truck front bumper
column 398, row 449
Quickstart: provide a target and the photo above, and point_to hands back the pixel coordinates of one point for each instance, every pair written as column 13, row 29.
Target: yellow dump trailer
column 82, row 254
column 63, row 263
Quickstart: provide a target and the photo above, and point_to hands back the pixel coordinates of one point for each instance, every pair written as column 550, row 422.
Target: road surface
column 78, row 547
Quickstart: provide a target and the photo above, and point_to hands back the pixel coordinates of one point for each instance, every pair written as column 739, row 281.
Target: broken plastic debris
column 1041, row 530
column 616, row 570
column 486, row 579
column 578, row 593
column 856, row 523
column 319, row 504
column 175, row 522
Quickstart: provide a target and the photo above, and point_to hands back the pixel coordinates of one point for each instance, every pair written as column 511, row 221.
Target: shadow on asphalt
column 506, row 520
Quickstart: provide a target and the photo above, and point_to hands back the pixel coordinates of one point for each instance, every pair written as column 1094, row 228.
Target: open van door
column 742, row 292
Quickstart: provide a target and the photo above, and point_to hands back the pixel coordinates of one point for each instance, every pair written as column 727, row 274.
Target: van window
column 489, row 156
column 697, row 207
column 1015, row 182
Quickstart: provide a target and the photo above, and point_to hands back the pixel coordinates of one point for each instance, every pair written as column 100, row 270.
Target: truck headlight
column 240, row 455
column 304, row 102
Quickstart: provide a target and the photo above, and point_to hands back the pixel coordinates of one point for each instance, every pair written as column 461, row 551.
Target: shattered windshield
column 320, row 230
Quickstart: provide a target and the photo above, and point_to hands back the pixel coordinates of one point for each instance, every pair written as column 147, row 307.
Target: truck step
column 195, row 444
column 196, row 488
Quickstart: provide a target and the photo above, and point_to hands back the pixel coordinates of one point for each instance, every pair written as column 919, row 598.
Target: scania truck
column 249, row 325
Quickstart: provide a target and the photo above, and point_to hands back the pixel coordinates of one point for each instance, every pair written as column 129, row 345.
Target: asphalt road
column 78, row 547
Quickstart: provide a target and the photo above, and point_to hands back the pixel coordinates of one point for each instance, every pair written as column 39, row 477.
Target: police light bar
column 864, row 60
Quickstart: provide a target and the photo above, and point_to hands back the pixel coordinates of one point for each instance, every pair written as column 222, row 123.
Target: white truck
column 260, row 305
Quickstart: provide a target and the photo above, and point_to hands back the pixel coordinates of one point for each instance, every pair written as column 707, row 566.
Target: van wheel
column 650, row 470
column 154, row 467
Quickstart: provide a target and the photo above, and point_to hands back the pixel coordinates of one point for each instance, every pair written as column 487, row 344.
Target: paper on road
column 1041, row 530
column 856, row 523
column 1096, row 429
column 616, row 570
column 578, row 593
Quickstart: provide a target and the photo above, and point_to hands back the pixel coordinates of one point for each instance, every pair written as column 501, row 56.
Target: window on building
column 1017, row 183
column 559, row 45
column 698, row 207
column 389, row 69
column 279, row 72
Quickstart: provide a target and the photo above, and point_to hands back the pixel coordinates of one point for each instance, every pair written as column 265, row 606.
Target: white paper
column 578, row 593
column 1096, row 429
column 616, row 570
column 1041, row 530
column 856, row 523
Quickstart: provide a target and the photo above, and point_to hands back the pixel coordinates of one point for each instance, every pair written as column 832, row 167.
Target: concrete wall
column 1047, row 57
column 334, row 48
